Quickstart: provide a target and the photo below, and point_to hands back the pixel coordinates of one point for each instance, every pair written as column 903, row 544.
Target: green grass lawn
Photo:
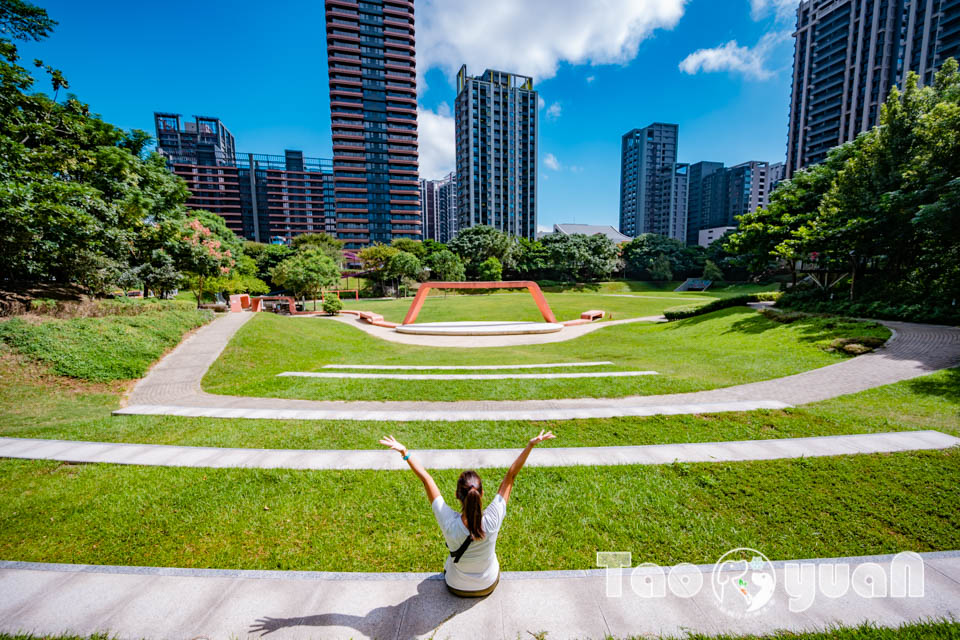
column 520, row 306
column 37, row 404
column 558, row 518
column 728, row 347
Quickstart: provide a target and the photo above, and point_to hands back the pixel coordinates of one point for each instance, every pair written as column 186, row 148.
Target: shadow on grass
column 947, row 387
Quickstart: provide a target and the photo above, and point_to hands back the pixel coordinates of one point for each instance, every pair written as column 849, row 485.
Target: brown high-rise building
column 373, row 109
column 265, row 198
column 847, row 56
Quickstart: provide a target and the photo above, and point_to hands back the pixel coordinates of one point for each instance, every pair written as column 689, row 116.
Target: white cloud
column 576, row 168
column 540, row 102
column 785, row 10
column 551, row 162
column 437, row 144
column 590, row 79
column 554, row 111
column 542, row 228
column 533, row 37
column 750, row 61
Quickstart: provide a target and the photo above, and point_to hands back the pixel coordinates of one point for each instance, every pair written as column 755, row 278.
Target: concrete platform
column 479, row 328
column 157, row 602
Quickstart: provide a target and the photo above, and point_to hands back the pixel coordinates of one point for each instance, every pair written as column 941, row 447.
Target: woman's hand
column 544, row 435
column 391, row 442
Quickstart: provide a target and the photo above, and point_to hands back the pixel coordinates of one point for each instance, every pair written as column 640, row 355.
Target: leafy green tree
column 643, row 250
column 445, row 266
column 530, row 259
column 330, row 246
column 207, row 252
column 80, row 200
column 375, row 260
column 411, row 246
column 579, row 257
column 477, row 244
column 404, row 265
column 490, row 270
column 659, row 268
column 712, row 272
column 266, row 257
column 307, row 273
column 432, row 246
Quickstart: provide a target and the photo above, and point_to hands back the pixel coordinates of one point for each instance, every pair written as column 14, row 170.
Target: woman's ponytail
column 469, row 492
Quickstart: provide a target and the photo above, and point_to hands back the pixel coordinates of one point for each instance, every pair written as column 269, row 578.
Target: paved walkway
column 464, row 376
column 177, row 456
column 147, row 602
column 172, row 387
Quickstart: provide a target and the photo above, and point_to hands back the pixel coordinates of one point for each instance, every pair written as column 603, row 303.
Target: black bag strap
column 456, row 555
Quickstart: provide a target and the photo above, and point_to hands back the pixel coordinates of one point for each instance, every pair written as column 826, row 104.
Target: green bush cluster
column 689, row 311
column 116, row 347
column 332, row 305
column 878, row 309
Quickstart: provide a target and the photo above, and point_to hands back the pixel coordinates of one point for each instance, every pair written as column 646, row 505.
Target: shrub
column 814, row 302
column 689, row 311
column 332, row 305
column 106, row 348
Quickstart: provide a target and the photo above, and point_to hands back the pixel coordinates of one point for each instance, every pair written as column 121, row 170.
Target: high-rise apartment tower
column 847, row 56
column 373, row 109
column 653, row 186
column 264, row 198
column 439, row 201
column 496, row 143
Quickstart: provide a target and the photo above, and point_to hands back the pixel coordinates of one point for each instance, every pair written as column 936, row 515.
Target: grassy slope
column 105, row 348
column 557, row 518
column 725, row 348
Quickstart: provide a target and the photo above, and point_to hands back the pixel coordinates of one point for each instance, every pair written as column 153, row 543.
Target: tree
column 712, row 272
column 80, row 200
column 640, row 253
column 404, row 266
column 206, row 252
column 445, row 266
column 477, row 244
column 530, row 259
column 266, row 257
column 307, row 273
column 330, row 246
column 413, row 247
column 23, row 21
column 490, row 270
column 659, row 268
column 375, row 260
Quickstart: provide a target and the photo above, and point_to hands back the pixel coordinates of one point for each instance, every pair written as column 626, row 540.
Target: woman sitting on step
column 472, row 569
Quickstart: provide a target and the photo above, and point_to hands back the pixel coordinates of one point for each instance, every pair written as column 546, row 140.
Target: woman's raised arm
column 507, row 485
column 428, row 484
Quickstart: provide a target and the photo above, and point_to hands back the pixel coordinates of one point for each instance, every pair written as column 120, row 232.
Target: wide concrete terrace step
column 151, row 602
column 177, row 456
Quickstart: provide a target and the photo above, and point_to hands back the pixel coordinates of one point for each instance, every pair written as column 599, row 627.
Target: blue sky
column 602, row 67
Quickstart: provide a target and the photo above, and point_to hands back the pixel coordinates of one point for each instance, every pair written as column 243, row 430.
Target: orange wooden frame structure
column 533, row 287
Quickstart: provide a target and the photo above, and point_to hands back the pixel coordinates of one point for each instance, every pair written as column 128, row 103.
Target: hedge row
column 689, row 311
column 879, row 310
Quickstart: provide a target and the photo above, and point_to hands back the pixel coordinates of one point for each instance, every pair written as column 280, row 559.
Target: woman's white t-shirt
column 478, row 567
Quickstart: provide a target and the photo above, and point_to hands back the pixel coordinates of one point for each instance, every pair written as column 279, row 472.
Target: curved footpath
column 172, row 387
column 152, row 602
